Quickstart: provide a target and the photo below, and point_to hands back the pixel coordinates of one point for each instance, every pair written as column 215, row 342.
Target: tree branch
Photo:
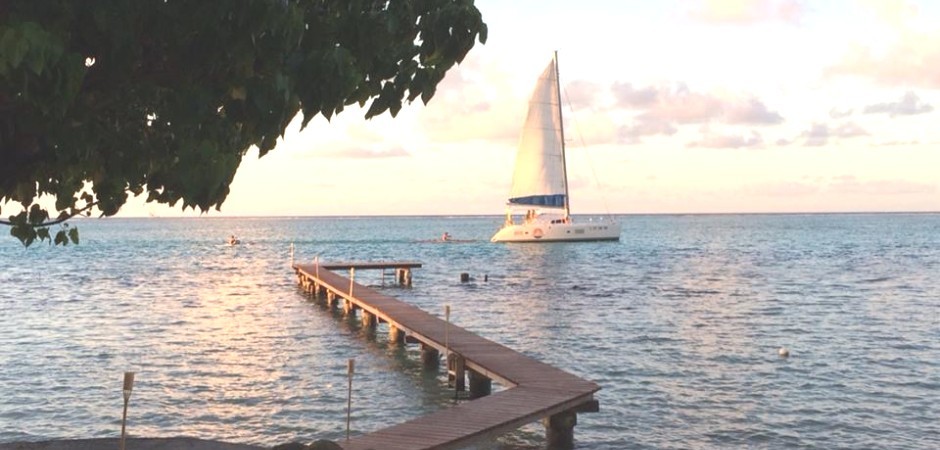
column 57, row 221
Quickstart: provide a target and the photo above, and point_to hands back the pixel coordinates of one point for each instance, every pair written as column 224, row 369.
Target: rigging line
column 577, row 130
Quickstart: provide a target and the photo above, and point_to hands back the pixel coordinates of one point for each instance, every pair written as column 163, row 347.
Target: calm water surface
column 679, row 323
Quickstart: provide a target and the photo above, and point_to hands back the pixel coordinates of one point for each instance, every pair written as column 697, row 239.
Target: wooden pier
column 535, row 390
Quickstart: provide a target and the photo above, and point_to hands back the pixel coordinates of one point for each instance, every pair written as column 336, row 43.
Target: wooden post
column 559, row 430
column 395, row 335
column 480, row 386
column 368, row 320
column 350, row 368
column 464, row 277
column 330, row 298
column 403, row 276
column 456, row 377
column 128, row 387
column 430, row 357
column 446, row 330
column 352, row 279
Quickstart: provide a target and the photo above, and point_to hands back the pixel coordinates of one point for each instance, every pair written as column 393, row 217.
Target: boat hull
column 559, row 232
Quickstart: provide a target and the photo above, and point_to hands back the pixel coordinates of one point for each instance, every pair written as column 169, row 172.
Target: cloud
column 729, row 141
column 471, row 103
column 364, row 153
column 661, row 110
column 632, row 134
column 892, row 12
column 908, row 105
column 751, row 112
column 816, row 136
column 629, row 97
column 849, row 130
column 359, row 153
column 819, row 133
column 746, row 12
column 786, row 189
column 848, row 184
column 840, row 113
column 844, row 185
column 897, row 143
column 683, row 106
column 581, row 94
column 912, row 61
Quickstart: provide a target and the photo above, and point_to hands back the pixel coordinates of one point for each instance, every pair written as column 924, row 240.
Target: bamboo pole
column 350, row 368
column 128, row 387
column 352, row 279
column 446, row 327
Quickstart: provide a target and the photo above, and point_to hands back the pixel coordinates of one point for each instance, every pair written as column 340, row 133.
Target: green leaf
column 83, row 128
column 8, row 41
column 18, row 50
column 36, row 62
column 73, row 235
column 37, row 215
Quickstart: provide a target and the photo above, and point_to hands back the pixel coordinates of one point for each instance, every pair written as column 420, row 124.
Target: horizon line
column 287, row 216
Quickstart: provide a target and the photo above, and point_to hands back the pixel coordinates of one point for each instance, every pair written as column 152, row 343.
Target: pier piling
column 430, row 357
column 456, row 369
column 480, row 385
column 559, row 430
column 368, row 320
column 395, row 334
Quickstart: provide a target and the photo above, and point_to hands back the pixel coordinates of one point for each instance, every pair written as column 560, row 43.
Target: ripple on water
column 679, row 323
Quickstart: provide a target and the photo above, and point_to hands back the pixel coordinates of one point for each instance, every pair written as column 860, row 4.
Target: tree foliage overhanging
column 99, row 99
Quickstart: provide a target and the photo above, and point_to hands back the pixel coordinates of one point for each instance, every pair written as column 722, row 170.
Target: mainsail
column 539, row 179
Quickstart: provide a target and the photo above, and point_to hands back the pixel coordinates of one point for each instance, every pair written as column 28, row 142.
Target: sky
column 692, row 106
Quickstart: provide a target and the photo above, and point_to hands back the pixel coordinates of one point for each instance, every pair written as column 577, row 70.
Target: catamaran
column 540, row 181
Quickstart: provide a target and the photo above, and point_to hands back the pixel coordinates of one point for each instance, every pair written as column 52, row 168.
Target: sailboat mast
column 561, row 122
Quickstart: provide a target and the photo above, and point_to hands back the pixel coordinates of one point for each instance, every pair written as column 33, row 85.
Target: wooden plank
column 366, row 265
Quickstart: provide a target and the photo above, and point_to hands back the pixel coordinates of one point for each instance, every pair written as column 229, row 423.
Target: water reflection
column 679, row 323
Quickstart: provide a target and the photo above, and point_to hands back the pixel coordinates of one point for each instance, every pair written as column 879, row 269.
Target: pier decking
column 535, row 390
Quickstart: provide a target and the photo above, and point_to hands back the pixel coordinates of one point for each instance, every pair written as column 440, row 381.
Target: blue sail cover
column 548, row 201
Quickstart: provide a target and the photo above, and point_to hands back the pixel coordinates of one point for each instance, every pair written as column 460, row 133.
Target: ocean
column 679, row 323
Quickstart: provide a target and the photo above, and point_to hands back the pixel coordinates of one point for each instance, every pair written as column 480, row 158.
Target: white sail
column 540, row 181
column 539, row 177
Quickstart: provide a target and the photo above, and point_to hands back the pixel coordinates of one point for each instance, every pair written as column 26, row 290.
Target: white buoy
column 783, row 352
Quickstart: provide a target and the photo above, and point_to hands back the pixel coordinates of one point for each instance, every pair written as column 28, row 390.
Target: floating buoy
column 783, row 352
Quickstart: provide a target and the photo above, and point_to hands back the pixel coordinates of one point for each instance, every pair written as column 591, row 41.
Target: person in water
column 445, row 237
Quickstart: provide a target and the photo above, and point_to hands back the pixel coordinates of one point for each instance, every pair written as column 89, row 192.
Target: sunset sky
column 675, row 107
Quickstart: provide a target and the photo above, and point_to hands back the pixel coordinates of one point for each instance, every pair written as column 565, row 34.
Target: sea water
column 679, row 323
